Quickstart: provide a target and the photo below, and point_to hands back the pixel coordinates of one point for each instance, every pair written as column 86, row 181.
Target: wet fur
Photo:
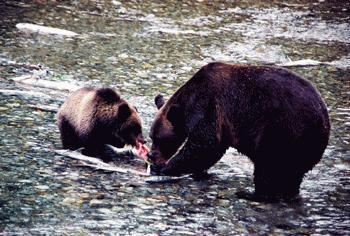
column 270, row 114
column 93, row 117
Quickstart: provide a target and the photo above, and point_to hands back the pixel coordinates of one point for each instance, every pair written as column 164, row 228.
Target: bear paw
column 252, row 196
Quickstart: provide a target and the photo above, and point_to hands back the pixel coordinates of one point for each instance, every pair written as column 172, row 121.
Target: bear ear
column 123, row 112
column 175, row 114
column 159, row 101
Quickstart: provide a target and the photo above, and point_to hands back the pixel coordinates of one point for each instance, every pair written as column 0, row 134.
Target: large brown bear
column 270, row 114
column 93, row 117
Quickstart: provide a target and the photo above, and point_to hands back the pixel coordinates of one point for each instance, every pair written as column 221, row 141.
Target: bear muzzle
column 155, row 157
column 152, row 155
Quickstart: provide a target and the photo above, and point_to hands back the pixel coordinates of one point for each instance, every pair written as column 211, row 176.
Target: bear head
column 167, row 131
column 129, row 128
column 119, row 118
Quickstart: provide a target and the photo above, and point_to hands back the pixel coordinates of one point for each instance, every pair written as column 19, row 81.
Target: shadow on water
column 143, row 48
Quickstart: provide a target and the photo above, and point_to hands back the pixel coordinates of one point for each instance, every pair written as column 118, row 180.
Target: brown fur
column 270, row 114
column 92, row 117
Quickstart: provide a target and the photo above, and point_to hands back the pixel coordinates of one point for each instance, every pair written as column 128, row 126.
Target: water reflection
column 146, row 48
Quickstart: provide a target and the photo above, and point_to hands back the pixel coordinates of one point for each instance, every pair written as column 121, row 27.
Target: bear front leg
column 201, row 151
column 69, row 138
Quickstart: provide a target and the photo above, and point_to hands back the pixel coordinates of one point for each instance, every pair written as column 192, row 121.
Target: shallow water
column 143, row 48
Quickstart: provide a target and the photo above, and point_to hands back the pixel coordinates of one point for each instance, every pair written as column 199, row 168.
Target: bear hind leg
column 280, row 184
column 273, row 185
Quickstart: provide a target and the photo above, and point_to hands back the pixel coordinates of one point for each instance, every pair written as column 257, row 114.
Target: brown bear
column 270, row 114
column 93, row 117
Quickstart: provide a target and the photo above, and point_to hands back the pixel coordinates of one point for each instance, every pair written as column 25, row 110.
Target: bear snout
column 152, row 155
column 155, row 157
column 141, row 139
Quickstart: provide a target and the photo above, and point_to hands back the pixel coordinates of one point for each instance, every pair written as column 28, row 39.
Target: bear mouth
column 119, row 142
column 165, row 160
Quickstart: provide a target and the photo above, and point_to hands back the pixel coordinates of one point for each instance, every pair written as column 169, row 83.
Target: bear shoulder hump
column 108, row 95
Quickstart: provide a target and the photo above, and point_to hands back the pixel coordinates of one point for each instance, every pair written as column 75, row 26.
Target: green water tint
column 142, row 49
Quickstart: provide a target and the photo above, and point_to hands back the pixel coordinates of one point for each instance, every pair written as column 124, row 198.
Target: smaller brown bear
column 93, row 117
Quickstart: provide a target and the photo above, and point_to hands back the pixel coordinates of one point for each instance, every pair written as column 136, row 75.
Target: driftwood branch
column 45, row 30
column 164, row 179
column 37, row 82
column 26, row 94
column 302, row 63
column 100, row 165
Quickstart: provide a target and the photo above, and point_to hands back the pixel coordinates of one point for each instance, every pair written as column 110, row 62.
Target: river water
column 143, row 48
